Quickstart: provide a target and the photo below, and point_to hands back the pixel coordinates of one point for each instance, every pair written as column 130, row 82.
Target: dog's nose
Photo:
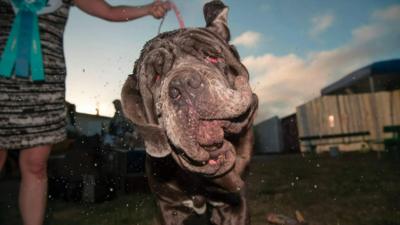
column 185, row 83
column 193, row 81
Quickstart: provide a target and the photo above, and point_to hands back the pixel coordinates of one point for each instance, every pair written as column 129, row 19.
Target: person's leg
column 33, row 190
column 3, row 157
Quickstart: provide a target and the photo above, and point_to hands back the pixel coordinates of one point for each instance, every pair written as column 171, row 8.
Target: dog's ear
column 216, row 16
column 132, row 104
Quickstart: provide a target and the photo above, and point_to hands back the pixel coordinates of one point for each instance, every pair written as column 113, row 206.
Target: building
column 89, row 124
column 100, row 154
column 277, row 135
column 353, row 112
column 268, row 136
column 290, row 134
column 85, row 124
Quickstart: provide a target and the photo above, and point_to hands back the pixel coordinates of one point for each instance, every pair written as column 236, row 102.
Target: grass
column 130, row 210
column 133, row 209
column 356, row 188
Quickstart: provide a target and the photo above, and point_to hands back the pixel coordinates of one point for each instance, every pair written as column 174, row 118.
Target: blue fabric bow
column 23, row 51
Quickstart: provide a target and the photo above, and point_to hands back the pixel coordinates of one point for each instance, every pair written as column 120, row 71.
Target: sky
column 292, row 48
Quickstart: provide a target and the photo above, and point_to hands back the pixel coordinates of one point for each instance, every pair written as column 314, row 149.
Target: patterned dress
column 33, row 113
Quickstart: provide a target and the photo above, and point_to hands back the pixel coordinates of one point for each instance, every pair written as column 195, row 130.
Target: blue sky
column 292, row 48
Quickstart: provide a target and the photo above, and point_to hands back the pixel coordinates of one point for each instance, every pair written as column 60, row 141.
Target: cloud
column 389, row 14
column 284, row 82
column 321, row 23
column 248, row 39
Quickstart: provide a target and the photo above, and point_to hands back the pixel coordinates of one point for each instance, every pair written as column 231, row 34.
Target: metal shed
column 268, row 136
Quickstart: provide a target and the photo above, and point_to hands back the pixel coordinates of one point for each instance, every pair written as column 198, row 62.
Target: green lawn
column 355, row 188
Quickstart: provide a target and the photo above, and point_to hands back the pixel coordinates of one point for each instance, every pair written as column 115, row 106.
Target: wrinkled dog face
column 190, row 96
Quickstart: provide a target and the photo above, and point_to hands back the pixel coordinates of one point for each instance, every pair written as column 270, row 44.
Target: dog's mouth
column 218, row 152
column 216, row 138
column 221, row 160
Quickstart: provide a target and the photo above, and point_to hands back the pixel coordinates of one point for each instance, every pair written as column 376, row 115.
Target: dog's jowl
column 190, row 99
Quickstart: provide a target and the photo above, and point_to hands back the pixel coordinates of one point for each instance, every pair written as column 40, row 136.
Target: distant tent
column 379, row 76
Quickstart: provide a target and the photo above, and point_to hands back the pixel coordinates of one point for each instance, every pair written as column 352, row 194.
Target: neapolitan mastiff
column 190, row 99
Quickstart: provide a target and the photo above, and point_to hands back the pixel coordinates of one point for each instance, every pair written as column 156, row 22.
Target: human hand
column 158, row 9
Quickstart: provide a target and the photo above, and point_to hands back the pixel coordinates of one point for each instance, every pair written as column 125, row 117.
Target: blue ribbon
column 22, row 53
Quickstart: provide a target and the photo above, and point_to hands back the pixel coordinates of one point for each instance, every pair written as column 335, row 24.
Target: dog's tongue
column 212, row 162
column 210, row 133
column 219, row 160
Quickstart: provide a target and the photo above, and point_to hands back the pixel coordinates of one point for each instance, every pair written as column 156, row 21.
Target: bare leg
column 33, row 190
column 3, row 157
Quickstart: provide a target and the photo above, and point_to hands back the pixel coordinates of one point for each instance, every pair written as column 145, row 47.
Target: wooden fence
column 347, row 120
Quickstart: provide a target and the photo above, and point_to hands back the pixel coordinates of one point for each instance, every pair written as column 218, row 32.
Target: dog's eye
column 212, row 60
column 174, row 93
column 213, row 55
column 215, row 60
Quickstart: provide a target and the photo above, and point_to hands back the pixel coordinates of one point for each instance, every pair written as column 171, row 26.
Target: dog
column 190, row 99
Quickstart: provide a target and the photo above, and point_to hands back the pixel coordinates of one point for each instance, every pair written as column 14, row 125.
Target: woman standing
column 32, row 84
